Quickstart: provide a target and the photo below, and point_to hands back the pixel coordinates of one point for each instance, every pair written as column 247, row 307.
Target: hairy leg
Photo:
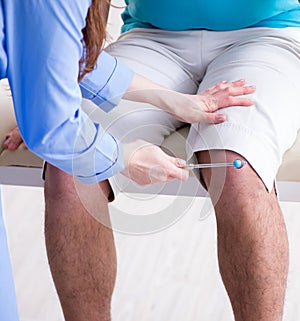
column 80, row 250
column 252, row 240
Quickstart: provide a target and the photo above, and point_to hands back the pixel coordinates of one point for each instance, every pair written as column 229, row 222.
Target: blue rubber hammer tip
column 238, row 163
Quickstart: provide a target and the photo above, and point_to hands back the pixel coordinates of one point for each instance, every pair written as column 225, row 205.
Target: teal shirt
column 218, row 15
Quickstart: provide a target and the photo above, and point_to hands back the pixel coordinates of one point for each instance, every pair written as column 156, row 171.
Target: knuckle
column 222, row 86
column 228, row 90
column 175, row 174
column 171, row 173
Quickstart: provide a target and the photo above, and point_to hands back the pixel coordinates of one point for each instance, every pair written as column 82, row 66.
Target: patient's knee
column 229, row 179
column 58, row 184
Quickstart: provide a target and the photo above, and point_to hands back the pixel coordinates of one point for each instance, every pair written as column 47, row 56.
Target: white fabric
column 190, row 61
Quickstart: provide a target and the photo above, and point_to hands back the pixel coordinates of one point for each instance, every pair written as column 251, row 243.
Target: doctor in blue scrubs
column 8, row 307
column 40, row 49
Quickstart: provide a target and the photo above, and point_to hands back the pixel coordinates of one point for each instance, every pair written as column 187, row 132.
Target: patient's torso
column 210, row 14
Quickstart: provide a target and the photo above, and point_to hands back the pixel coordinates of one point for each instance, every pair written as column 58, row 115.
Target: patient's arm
column 13, row 140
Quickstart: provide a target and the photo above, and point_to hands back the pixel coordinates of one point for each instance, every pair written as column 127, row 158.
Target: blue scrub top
column 40, row 47
column 8, row 306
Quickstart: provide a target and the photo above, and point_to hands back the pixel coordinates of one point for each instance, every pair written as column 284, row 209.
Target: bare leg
column 252, row 241
column 80, row 250
column 13, row 140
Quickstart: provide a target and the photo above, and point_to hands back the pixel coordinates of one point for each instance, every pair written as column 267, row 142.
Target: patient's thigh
column 130, row 120
column 269, row 59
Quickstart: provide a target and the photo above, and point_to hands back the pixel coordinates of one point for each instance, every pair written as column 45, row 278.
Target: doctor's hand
column 147, row 164
column 224, row 94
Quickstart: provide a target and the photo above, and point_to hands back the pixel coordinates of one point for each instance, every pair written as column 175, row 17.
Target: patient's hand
column 13, row 140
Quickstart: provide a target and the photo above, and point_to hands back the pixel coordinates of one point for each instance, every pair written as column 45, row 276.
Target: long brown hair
column 94, row 34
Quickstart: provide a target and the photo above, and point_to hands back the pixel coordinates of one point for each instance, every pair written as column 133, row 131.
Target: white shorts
column 190, row 62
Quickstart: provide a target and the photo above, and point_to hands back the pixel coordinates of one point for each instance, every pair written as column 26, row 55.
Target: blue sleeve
column 106, row 85
column 43, row 40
